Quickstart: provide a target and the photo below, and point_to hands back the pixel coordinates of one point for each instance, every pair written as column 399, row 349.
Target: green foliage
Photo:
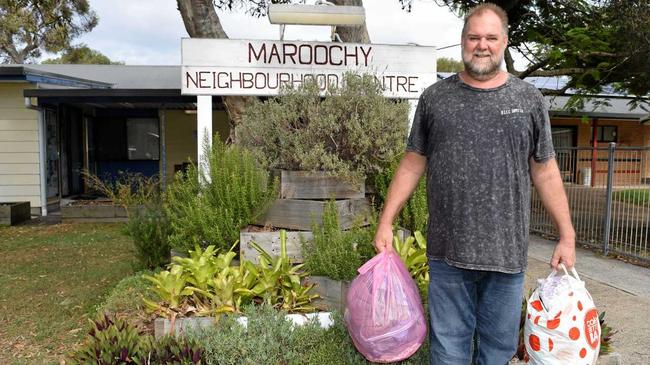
column 211, row 210
column 606, row 333
column 335, row 253
column 279, row 283
column 81, row 54
column 205, row 284
column 598, row 44
column 128, row 189
column 413, row 252
column 113, row 341
column 29, row 27
column 633, row 196
column 446, row 64
column 271, row 339
column 415, row 213
column 149, row 227
column 351, row 133
column 126, row 296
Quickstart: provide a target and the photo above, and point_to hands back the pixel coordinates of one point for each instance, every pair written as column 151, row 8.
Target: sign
column 263, row 68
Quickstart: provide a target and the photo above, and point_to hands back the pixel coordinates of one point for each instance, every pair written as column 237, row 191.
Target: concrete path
column 620, row 289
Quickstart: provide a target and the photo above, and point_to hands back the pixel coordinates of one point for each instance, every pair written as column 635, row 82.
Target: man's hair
column 481, row 9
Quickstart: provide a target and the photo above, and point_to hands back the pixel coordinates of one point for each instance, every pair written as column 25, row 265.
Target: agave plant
column 606, row 334
column 413, row 252
column 201, row 266
column 279, row 282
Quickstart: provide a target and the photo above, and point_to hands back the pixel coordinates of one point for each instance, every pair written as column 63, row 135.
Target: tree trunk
column 354, row 33
column 201, row 21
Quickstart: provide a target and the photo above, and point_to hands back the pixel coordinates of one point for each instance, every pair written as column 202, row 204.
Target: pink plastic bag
column 384, row 314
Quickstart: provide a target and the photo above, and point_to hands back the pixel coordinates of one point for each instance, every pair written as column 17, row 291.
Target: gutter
column 645, row 120
column 41, row 153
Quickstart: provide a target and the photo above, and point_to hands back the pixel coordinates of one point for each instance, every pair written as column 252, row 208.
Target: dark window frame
column 600, row 132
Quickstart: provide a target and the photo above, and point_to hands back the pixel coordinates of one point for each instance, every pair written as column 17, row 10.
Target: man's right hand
column 384, row 238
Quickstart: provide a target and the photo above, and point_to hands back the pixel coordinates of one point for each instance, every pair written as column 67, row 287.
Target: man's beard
column 485, row 70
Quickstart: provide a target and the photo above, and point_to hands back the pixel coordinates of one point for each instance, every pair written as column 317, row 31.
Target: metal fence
column 609, row 196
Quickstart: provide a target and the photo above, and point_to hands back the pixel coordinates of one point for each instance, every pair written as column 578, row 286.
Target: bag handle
column 371, row 263
column 573, row 271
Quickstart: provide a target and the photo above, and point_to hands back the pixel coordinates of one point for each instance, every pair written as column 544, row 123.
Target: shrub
column 148, row 225
column 415, row 213
column 353, row 132
column 271, row 339
column 205, row 284
column 213, row 210
column 335, row 253
column 268, row 339
column 125, row 300
column 113, row 341
column 126, row 189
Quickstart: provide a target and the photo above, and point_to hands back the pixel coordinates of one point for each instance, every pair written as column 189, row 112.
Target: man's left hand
column 565, row 253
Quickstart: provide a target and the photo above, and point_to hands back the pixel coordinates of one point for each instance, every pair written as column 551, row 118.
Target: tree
column 202, row 21
column 82, row 54
column 445, row 64
column 598, row 44
column 27, row 27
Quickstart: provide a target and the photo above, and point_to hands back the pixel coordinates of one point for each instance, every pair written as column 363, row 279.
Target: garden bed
column 95, row 211
column 270, row 242
column 14, row 213
column 162, row 326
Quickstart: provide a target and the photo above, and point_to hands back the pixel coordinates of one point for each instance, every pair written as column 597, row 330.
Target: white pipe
column 203, row 133
column 41, row 153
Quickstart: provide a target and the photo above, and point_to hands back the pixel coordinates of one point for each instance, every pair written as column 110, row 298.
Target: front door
column 564, row 141
column 52, row 156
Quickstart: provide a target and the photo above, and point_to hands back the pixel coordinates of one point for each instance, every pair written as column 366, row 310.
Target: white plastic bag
column 562, row 325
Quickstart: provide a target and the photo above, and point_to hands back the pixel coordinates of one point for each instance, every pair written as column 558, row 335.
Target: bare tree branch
column 559, row 72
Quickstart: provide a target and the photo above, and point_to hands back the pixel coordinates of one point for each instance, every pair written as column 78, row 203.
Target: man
column 481, row 135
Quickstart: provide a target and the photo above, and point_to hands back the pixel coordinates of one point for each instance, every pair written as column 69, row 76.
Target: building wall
column 19, row 148
column 180, row 136
column 631, row 167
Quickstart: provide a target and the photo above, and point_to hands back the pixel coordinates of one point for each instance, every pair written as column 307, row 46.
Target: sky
column 149, row 32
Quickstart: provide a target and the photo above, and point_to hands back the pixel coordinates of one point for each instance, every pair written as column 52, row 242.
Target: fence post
column 608, row 203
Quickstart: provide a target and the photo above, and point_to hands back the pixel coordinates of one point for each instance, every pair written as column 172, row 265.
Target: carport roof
column 103, row 76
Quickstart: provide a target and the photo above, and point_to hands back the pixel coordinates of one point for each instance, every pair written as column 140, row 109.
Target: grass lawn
column 634, row 196
column 51, row 279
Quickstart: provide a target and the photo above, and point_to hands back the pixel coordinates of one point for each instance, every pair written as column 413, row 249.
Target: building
column 57, row 121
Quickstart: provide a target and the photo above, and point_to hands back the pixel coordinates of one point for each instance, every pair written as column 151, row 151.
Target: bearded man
column 481, row 136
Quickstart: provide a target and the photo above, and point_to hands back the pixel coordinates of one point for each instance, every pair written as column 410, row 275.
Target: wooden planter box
column 270, row 242
column 14, row 213
column 300, row 214
column 162, row 326
column 93, row 213
column 317, row 186
column 303, row 195
column 332, row 292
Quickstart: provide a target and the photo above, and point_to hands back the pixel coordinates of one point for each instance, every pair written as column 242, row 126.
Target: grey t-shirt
column 478, row 144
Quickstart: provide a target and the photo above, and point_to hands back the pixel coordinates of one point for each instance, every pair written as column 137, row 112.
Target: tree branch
column 555, row 92
column 510, row 63
column 558, row 72
column 533, row 68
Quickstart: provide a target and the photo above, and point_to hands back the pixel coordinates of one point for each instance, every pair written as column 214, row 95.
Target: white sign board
column 254, row 67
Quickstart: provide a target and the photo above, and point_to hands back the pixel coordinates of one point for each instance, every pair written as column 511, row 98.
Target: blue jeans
column 474, row 315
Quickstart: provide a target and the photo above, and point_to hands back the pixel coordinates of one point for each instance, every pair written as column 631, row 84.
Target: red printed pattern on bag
column 592, row 332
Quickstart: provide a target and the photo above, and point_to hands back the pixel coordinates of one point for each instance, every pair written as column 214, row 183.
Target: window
column 605, row 133
column 143, row 139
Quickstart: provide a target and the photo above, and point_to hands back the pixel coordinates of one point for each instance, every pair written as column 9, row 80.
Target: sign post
column 264, row 67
